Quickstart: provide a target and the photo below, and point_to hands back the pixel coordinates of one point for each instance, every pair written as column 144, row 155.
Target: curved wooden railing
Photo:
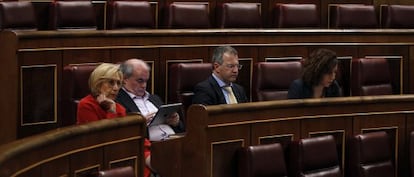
column 77, row 150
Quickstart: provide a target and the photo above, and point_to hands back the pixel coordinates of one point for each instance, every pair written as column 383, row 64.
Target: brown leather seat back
column 370, row 155
column 182, row 79
column 75, row 87
column 188, row 15
column 130, row 15
column 262, row 160
column 371, row 76
column 296, row 16
column 17, row 15
column 397, row 16
column 72, row 15
column 241, row 15
column 316, row 156
column 353, row 16
column 271, row 80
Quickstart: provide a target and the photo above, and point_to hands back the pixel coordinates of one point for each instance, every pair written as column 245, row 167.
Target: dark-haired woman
column 318, row 77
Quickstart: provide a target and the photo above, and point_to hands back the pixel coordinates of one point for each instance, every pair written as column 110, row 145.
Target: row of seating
column 370, row 155
column 270, row 81
column 143, row 14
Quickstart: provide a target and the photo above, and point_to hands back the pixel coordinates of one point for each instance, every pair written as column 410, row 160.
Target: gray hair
column 219, row 51
column 127, row 67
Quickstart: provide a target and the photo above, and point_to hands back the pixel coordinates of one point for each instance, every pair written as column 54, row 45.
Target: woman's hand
column 106, row 103
column 173, row 120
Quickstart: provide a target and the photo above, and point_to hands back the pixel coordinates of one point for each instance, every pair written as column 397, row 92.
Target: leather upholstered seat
column 69, row 15
column 397, row 16
column 352, row 16
column 17, row 15
column 182, row 79
column 271, row 80
column 188, row 15
column 262, row 161
column 315, row 157
column 296, row 16
column 371, row 76
column 131, row 15
column 240, row 15
column 75, row 87
column 371, row 156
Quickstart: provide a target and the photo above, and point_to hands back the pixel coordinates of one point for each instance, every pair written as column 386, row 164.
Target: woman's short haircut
column 102, row 72
column 320, row 62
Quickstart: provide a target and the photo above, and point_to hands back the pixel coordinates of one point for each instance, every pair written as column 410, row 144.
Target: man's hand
column 173, row 120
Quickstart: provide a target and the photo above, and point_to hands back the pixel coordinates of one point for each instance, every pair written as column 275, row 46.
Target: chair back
column 271, row 80
column 352, row 16
column 261, row 161
column 130, row 15
column 69, row 15
column 397, row 16
column 296, row 16
column 240, row 15
column 75, row 87
column 188, row 15
column 183, row 77
column 371, row 76
column 370, row 155
column 17, row 15
column 316, row 156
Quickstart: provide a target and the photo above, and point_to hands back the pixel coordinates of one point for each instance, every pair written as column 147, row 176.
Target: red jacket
column 89, row 110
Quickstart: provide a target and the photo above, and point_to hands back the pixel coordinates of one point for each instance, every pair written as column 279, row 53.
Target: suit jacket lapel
column 127, row 101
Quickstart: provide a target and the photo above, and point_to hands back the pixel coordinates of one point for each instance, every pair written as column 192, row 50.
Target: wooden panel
column 393, row 124
column 224, row 143
column 77, row 150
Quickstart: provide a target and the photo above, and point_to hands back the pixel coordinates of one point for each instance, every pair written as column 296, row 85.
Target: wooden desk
column 33, row 90
column 77, row 150
column 214, row 133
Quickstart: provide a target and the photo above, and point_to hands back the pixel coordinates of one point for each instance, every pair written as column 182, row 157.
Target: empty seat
column 315, row 157
column 75, row 87
column 397, row 16
column 188, row 15
column 262, row 161
column 370, row 76
column 17, row 15
column 130, row 15
column 182, row 79
column 240, row 15
column 271, row 80
column 72, row 15
column 352, row 16
column 296, row 16
column 370, row 155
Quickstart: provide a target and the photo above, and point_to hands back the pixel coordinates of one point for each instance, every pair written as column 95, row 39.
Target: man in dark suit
column 135, row 98
column 220, row 88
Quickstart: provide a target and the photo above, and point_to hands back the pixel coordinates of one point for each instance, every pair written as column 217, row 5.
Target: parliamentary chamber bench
column 33, row 61
column 216, row 133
